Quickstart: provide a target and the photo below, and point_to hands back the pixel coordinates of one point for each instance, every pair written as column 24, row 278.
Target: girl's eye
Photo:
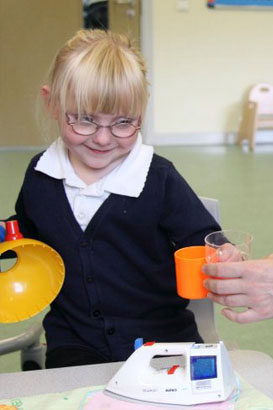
column 124, row 121
column 85, row 118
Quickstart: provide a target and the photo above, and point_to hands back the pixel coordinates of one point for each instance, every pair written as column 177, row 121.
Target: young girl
column 113, row 209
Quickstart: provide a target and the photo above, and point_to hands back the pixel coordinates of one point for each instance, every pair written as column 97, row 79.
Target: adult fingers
column 248, row 316
column 224, row 269
column 258, row 273
column 230, row 300
column 225, row 287
column 229, row 253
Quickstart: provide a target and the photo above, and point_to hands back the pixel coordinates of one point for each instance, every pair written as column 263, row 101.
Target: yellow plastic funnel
column 32, row 283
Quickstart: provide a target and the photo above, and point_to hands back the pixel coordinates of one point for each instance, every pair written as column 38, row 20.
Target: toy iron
column 206, row 376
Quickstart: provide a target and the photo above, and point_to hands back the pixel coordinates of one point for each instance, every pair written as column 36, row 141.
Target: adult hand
column 228, row 253
column 248, row 284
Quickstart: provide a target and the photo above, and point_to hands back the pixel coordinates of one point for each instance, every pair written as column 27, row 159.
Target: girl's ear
column 45, row 93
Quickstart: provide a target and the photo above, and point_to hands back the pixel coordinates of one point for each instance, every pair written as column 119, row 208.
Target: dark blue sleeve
column 184, row 216
column 26, row 225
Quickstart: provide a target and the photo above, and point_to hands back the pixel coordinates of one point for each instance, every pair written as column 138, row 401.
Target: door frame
column 146, row 30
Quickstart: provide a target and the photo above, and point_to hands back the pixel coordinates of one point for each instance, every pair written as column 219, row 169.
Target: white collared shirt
column 128, row 178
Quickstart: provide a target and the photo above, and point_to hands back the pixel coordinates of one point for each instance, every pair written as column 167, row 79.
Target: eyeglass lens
column 119, row 130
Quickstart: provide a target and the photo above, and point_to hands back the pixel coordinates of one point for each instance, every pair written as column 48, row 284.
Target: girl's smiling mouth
column 98, row 151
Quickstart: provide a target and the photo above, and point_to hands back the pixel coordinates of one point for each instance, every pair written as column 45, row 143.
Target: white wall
column 203, row 62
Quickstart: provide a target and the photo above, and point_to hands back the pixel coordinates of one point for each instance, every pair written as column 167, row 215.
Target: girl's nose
column 102, row 136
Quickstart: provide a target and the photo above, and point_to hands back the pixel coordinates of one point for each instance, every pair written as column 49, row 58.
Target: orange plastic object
column 32, row 283
column 189, row 276
column 12, row 231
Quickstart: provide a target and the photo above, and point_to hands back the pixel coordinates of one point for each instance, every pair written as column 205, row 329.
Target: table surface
column 255, row 367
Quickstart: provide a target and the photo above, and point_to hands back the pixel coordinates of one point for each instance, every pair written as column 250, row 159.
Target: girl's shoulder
column 36, row 158
column 160, row 162
column 33, row 162
column 164, row 172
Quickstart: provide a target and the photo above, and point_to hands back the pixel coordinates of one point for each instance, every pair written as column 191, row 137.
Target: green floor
column 241, row 180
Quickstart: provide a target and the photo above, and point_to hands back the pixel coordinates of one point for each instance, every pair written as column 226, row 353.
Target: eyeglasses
column 84, row 125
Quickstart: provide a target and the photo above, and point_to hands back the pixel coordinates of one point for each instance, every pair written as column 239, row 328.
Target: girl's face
column 101, row 151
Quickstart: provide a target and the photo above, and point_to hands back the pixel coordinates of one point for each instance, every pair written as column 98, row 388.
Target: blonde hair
column 99, row 72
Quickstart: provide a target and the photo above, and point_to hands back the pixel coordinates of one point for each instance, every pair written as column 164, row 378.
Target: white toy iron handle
column 144, row 354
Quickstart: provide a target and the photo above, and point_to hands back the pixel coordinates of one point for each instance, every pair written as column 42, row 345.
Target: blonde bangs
column 105, row 80
column 108, row 84
column 99, row 72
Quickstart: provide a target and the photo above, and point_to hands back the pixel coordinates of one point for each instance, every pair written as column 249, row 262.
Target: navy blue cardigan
column 120, row 276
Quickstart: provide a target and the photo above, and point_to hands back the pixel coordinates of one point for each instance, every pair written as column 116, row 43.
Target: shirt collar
column 128, row 178
column 55, row 163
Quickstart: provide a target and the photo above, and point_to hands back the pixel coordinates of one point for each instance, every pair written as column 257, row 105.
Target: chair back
column 262, row 94
column 257, row 113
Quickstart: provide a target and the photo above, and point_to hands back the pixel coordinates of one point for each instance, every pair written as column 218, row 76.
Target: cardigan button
column 90, row 279
column 96, row 313
column 111, row 331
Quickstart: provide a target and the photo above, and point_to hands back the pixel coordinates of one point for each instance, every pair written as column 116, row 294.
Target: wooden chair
column 257, row 113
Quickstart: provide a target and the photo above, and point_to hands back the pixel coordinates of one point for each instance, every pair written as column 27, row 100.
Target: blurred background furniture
column 257, row 113
column 28, row 343
column 95, row 14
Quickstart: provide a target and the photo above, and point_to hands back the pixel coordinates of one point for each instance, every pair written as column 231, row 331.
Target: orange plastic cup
column 189, row 275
